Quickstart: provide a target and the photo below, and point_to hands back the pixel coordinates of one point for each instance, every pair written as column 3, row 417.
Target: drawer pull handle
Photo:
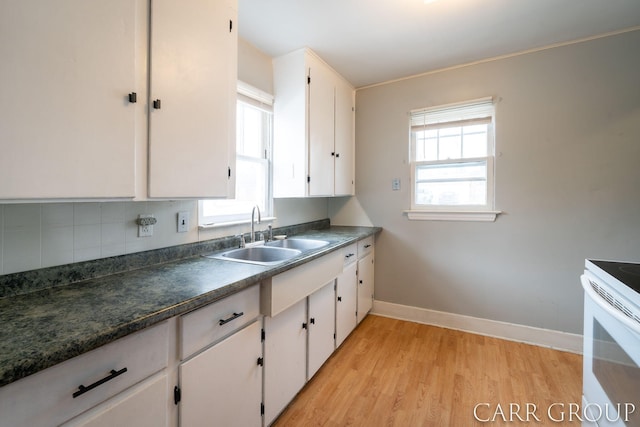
column 367, row 246
column 235, row 316
column 349, row 256
column 82, row 389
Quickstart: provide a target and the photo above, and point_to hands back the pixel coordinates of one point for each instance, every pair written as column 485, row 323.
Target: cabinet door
column 67, row 127
column 142, row 406
column 365, row 286
column 290, row 125
column 321, row 127
column 344, row 139
column 322, row 322
column 346, row 302
column 285, row 358
column 222, row 386
column 193, row 76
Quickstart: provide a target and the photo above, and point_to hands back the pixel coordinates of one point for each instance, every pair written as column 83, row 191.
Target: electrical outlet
column 145, row 225
column 183, row 222
column 395, row 184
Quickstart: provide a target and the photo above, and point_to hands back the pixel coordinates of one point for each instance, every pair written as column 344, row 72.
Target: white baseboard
column 509, row 331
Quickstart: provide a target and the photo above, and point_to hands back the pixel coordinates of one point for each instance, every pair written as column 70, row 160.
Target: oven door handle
column 619, row 316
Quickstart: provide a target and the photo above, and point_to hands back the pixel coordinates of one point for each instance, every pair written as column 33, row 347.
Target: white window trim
column 486, row 213
column 421, row 215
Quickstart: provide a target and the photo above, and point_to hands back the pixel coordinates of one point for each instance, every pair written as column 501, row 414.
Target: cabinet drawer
column 209, row 324
column 350, row 253
column 47, row 397
column 365, row 246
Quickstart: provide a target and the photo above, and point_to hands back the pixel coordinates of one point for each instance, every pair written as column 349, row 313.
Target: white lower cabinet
column 285, row 358
column 346, row 301
column 322, row 332
column 297, row 343
column 141, row 406
column 222, row 386
column 103, row 379
column 310, row 310
column 365, row 285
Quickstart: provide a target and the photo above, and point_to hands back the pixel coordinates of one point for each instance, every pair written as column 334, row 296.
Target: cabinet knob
column 304, row 326
column 339, row 299
column 133, row 97
column 312, row 321
column 157, row 104
column 333, row 153
column 337, row 155
column 361, row 282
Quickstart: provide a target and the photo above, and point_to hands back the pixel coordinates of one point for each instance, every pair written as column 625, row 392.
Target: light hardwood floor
column 396, row 373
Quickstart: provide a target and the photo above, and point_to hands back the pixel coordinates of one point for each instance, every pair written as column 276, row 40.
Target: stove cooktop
column 626, row 272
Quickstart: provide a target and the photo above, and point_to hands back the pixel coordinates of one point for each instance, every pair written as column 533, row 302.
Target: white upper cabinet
column 344, row 139
column 313, row 128
column 67, row 128
column 321, row 127
column 192, row 98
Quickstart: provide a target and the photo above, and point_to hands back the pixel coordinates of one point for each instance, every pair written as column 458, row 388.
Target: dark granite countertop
column 50, row 325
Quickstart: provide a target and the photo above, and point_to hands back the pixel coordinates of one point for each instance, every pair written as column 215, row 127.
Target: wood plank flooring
column 396, row 373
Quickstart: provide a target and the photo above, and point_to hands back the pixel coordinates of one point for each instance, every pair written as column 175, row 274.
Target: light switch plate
column 395, row 184
column 183, row 222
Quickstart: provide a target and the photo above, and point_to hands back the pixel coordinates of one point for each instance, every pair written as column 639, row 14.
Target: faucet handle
column 241, row 240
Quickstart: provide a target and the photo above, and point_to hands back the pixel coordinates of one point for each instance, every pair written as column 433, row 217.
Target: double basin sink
column 271, row 253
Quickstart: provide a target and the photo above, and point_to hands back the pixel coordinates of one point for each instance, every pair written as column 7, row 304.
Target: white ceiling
column 372, row 41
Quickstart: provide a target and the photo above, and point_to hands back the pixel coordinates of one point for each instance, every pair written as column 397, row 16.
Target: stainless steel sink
column 262, row 255
column 300, row 244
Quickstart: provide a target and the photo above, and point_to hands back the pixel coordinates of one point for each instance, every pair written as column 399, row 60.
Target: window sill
column 485, row 216
column 231, row 223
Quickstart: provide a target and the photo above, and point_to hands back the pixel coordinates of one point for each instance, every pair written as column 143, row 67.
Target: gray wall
column 567, row 180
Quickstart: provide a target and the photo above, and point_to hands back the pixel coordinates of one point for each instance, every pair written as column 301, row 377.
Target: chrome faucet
column 253, row 212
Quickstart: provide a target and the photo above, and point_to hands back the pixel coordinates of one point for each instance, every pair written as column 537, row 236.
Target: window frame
column 465, row 113
column 255, row 98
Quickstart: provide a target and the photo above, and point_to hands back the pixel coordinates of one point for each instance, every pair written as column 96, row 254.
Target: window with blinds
column 452, row 152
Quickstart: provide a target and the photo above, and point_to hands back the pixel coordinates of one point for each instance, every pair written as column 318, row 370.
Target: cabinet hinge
column 229, row 172
column 262, row 335
column 308, row 178
column 230, row 25
column 177, row 394
column 334, row 336
column 308, row 80
column 261, row 408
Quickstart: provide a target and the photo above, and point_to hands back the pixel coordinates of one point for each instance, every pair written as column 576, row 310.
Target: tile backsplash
column 37, row 235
